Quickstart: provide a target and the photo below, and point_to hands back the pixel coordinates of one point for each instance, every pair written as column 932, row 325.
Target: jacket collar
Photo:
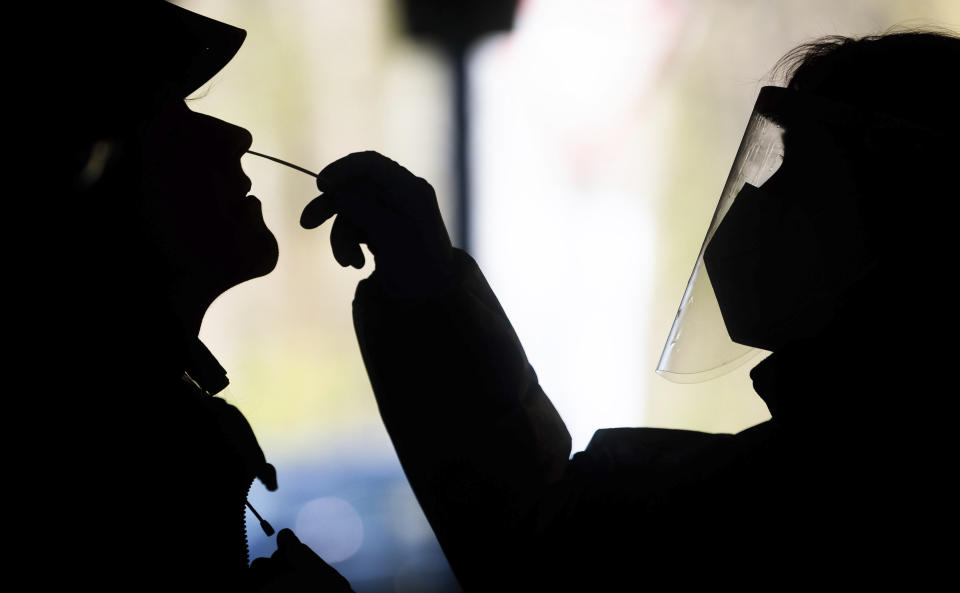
column 202, row 368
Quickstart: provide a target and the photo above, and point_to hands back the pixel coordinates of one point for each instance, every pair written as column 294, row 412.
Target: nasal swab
column 283, row 162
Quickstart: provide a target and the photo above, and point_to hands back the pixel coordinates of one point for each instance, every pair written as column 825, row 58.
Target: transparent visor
column 699, row 347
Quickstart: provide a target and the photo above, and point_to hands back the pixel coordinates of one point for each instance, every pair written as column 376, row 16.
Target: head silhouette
column 159, row 212
column 135, row 219
column 858, row 200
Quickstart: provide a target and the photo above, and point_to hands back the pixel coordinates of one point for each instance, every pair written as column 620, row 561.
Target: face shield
column 793, row 241
column 698, row 347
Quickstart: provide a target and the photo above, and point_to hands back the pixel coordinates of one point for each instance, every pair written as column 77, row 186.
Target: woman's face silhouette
column 195, row 201
column 787, row 250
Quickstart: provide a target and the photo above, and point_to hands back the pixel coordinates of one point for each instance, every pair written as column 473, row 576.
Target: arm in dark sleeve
column 478, row 439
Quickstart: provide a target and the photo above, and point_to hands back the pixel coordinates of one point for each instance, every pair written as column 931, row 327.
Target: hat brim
column 211, row 45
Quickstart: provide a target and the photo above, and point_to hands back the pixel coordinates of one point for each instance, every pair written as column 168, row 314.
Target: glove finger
column 345, row 241
column 318, row 211
column 367, row 164
column 286, row 538
column 371, row 182
column 370, row 220
column 262, row 566
column 295, row 552
column 299, row 556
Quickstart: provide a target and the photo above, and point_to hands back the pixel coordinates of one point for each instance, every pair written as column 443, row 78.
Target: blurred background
column 595, row 136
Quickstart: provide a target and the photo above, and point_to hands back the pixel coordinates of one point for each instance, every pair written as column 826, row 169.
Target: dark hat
column 182, row 48
column 109, row 62
column 101, row 67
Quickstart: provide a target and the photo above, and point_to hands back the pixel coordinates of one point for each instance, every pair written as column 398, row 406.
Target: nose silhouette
column 230, row 138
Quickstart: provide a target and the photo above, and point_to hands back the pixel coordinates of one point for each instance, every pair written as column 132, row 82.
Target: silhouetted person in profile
column 138, row 474
column 840, row 263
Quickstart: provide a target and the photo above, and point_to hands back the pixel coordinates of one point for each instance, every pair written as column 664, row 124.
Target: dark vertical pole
column 454, row 26
column 461, row 146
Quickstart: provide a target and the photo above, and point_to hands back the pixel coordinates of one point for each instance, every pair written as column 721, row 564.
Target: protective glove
column 379, row 203
column 294, row 567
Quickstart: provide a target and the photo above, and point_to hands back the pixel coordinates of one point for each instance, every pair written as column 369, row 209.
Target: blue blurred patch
column 398, row 552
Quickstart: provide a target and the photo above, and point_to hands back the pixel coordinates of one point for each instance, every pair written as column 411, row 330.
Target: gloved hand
column 392, row 211
column 294, row 567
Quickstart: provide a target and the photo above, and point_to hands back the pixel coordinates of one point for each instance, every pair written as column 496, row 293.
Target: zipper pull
column 266, row 527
